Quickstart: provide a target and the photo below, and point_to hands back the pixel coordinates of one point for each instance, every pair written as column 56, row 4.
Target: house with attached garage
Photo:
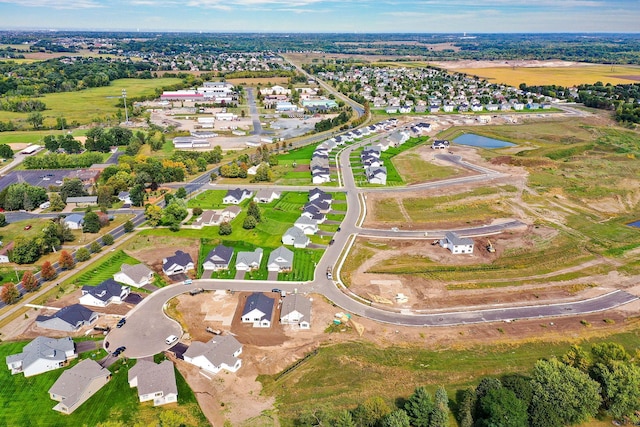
column 307, row 225
column 137, row 275
column 74, row 221
column 457, row 244
column 318, row 194
column 296, row 237
column 68, row 319
column 220, row 353
column 230, row 212
column 296, row 310
column 246, row 261
column 43, row 354
column 312, row 212
column 181, row 262
column 208, row 219
column 258, row 309
column 77, row 384
column 218, row 258
column 376, row 175
column 235, row 197
column 155, row 382
column 266, row 196
column 280, row 260
column 440, row 144
column 107, row 292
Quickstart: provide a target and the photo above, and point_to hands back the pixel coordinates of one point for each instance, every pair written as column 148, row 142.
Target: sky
column 336, row 16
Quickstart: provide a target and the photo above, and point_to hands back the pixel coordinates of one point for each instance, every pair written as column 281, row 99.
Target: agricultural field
column 341, row 376
column 563, row 76
column 18, row 393
column 260, row 81
column 89, row 104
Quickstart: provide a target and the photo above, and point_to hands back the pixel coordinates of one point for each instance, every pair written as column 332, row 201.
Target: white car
column 171, row 339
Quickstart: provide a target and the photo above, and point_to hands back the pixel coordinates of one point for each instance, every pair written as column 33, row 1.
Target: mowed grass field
column 85, row 105
column 260, row 81
column 563, row 76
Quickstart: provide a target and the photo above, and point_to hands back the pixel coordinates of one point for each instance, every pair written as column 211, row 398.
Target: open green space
column 96, row 273
column 27, row 403
column 413, row 169
column 34, row 136
column 89, row 105
column 341, row 376
column 210, row 199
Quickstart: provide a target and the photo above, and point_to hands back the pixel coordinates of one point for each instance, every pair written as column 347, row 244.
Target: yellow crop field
column 564, row 76
column 260, row 81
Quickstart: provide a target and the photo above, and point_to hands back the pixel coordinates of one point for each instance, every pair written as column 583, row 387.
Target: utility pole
column 126, row 112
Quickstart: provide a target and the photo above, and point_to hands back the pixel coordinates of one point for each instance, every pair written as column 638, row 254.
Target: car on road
column 395, row 229
column 339, row 228
column 188, row 282
column 28, row 227
column 118, row 351
column 171, row 339
column 332, row 241
column 276, row 290
column 121, row 323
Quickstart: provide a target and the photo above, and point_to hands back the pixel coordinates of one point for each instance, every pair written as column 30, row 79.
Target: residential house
column 4, row 253
column 220, row 353
column 296, row 310
column 376, row 175
column 125, row 197
column 181, row 262
column 258, row 309
column 311, row 211
column 82, row 201
column 208, row 219
column 246, row 261
column 457, row 244
column 280, row 260
column 105, row 293
column 440, row 144
column 266, row 196
column 230, row 212
column 78, row 384
column 136, row 275
column 235, row 197
column 43, row 354
column 296, row 237
column 319, row 195
column 68, row 319
column 307, row 225
column 155, row 382
column 74, row 221
column 218, row 258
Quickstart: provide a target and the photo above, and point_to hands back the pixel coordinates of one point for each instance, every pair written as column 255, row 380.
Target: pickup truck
column 196, row 291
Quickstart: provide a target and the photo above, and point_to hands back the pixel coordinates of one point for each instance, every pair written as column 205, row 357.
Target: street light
column 126, row 112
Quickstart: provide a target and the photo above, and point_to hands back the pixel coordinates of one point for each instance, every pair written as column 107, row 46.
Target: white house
column 218, row 258
column 280, row 260
column 155, row 382
column 235, row 197
column 440, row 144
column 377, row 175
column 266, row 196
column 137, row 275
column 74, row 221
column 257, row 310
column 78, row 384
column 43, row 354
column 181, row 262
column 296, row 237
column 306, row 225
column 457, row 244
column 107, row 292
column 296, row 310
column 68, row 319
column 220, row 353
column 246, row 261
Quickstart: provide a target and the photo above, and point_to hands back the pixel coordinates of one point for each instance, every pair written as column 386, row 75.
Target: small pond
column 634, row 224
column 481, row 141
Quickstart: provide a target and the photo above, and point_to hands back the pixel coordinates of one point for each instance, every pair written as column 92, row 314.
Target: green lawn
column 25, row 401
column 85, row 105
column 94, row 274
column 210, row 199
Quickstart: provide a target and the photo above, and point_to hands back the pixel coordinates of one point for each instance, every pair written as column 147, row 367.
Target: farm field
column 563, row 76
column 260, row 81
column 83, row 106
column 18, row 393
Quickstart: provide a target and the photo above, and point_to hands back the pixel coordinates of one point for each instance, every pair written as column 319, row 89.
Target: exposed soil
column 453, row 65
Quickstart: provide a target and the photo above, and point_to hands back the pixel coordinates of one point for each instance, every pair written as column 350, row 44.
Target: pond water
column 634, row 224
column 481, row 141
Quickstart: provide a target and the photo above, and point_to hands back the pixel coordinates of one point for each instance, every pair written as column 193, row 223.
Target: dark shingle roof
column 105, row 290
column 259, row 301
column 221, row 253
column 71, row 314
column 180, row 258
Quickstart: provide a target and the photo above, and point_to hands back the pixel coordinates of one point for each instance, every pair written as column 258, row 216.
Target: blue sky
column 385, row 16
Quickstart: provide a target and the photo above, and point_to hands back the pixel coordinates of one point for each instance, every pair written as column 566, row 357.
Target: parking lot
column 41, row 178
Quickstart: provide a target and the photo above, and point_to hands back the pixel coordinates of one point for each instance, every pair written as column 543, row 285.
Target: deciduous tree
column 9, row 294
column 153, row 213
column 48, row 272
column 95, row 247
column 56, row 203
column 29, row 281
column 107, row 239
column 128, row 226
column 82, row 254
column 66, row 261
column 91, row 223
column 225, row 229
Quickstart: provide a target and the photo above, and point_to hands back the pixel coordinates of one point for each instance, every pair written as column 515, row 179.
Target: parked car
column 188, row 282
column 171, row 339
column 339, row 228
column 196, row 291
column 28, row 227
column 121, row 323
column 332, row 241
column 276, row 290
column 118, row 351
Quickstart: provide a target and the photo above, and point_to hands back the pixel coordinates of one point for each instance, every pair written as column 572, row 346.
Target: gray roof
column 298, row 303
column 43, row 348
column 237, row 193
column 220, row 254
column 281, row 256
column 75, row 380
column 260, row 301
column 136, row 272
column 249, row 258
column 74, row 218
column 83, row 199
column 299, row 238
column 218, row 350
column 105, row 290
column 457, row 240
column 74, row 315
column 306, row 221
column 153, row 378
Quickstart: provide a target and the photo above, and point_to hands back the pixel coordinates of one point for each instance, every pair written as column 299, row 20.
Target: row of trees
column 62, row 161
column 326, row 124
column 65, row 142
column 22, row 105
column 22, row 196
